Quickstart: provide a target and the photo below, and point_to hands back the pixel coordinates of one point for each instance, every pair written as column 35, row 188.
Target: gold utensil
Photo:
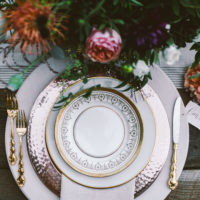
column 12, row 109
column 173, row 182
column 21, row 127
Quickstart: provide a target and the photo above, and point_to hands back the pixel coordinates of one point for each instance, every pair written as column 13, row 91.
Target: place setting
column 97, row 118
column 106, row 141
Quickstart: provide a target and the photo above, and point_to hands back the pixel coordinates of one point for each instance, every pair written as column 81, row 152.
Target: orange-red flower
column 193, row 84
column 34, row 25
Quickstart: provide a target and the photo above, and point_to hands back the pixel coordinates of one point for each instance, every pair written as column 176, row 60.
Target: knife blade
column 173, row 182
column 176, row 120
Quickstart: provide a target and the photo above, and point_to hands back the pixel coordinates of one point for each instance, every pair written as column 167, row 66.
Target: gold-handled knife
column 173, row 182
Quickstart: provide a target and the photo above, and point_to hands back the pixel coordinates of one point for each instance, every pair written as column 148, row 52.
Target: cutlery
column 12, row 109
column 173, row 182
column 21, row 127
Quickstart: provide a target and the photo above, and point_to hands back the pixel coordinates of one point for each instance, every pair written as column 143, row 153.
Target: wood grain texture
column 3, row 116
column 189, row 186
column 8, row 188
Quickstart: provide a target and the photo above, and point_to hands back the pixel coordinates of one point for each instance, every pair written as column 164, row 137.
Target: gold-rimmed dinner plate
column 101, row 135
column 129, row 172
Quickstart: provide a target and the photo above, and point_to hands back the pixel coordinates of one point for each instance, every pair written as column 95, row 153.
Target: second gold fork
column 21, row 127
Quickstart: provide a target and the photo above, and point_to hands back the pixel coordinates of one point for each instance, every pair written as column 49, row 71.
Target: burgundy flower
column 104, row 46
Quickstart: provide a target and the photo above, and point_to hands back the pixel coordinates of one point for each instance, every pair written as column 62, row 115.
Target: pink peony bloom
column 104, row 46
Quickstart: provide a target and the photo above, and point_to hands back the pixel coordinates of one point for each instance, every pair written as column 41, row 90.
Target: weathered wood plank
column 8, row 188
column 189, row 186
column 3, row 116
column 193, row 158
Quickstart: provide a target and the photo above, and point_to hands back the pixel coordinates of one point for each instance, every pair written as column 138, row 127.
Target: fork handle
column 21, row 178
column 12, row 156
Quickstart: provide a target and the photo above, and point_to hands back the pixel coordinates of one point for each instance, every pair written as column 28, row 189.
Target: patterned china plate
column 101, row 135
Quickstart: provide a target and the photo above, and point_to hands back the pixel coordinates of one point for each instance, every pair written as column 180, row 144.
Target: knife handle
column 173, row 182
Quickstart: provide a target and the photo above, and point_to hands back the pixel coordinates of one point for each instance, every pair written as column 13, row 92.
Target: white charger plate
column 131, row 171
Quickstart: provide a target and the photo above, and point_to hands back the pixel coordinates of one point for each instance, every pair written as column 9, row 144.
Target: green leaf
column 89, row 91
column 197, row 60
column 102, row 26
column 137, row 2
column 121, row 85
column 63, row 98
column 119, row 21
column 195, row 46
column 15, row 82
column 85, row 80
column 115, row 2
column 176, row 7
column 149, row 76
column 195, row 76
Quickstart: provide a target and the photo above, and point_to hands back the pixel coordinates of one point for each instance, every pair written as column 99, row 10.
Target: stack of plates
column 102, row 141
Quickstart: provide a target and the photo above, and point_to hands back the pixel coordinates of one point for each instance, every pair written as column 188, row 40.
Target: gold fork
column 12, row 109
column 21, row 127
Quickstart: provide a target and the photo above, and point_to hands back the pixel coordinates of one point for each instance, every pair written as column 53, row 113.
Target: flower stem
column 32, row 64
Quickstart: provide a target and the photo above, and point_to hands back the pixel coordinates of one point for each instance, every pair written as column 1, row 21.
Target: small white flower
column 171, row 55
column 141, row 69
column 168, row 26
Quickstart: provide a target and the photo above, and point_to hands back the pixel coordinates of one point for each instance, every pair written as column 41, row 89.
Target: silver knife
column 173, row 182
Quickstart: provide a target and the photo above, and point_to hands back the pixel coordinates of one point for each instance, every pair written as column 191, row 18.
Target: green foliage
column 123, row 16
column 195, row 76
column 65, row 100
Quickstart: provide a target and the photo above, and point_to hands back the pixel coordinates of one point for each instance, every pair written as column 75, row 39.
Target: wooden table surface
column 189, row 183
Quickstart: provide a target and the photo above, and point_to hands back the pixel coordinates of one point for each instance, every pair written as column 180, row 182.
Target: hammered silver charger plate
column 34, row 84
column 130, row 171
column 100, row 135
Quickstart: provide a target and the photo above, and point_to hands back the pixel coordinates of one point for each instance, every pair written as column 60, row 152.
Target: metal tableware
column 173, row 182
column 12, row 109
column 21, row 127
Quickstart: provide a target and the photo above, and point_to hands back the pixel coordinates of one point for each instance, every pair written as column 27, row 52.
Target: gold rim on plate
column 88, row 185
column 121, row 168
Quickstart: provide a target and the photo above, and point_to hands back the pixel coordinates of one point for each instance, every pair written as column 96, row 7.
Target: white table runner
column 73, row 191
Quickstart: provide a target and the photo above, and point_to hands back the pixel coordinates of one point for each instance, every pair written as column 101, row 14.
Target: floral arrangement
column 122, row 35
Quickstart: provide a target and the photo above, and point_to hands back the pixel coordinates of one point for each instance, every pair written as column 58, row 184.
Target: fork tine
column 12, row 101
column 25, row 121
column 15, row 102
column 17, row 120
column 9, row 100
column 20, row 120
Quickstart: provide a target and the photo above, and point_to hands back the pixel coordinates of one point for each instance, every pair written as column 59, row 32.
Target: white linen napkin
column 73, row 191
